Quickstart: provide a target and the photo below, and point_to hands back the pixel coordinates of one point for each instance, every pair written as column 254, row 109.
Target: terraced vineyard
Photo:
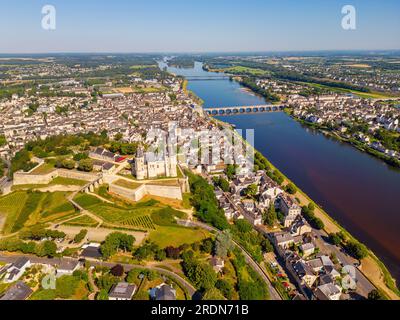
column 145, row 215
column 84, row 221
column 11, row 206
column 121, row 213
column 144, row 222
column 25, row 208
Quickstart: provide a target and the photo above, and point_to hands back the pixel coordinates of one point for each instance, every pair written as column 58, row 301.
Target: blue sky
column 197, row 26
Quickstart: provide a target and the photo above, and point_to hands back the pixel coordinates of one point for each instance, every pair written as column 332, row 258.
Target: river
column 359, row 191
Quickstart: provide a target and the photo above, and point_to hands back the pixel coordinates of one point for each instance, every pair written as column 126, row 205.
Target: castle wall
column 21, row 178
column 173, row 192
column 28, row 178
column 73, row 174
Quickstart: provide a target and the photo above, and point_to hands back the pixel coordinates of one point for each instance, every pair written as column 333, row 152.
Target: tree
column 231, row 171
column 251, row 190
column 357, row 249
column 68, row 164
column 201, row 274
column 267, row 246
column 318, row 223
column 270, row 216
column 80, row 236
column 213, row 294
column 243, row 226
column 207, row 245
column 311, row 206
column 173, row 253
column 205, row 203
column 226, row 288
column 46, row 248
column 160, row 255
column 80, row 156
column 335, row 239
column 222, row 183
column 117, row 270
column 106, row 281
column 291, row 188
column 102, row 295
column 116, row 241
column 376, row 295
column 85, row 165
column 147, row 251
column 223, row 243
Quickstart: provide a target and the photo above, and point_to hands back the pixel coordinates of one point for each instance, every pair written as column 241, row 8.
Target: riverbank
column 191, row 94
column 372, row 268
column 353, row 142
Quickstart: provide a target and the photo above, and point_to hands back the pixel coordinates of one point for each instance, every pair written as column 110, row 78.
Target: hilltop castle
column 149, row 166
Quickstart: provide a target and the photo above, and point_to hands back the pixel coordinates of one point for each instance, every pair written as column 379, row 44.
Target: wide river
column 359, row 191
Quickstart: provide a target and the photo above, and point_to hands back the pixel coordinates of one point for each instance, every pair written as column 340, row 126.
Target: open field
column 22, row 208
column 166, row 236
column 246, row 70
column 365, row 95
column 358, row 65
column 127, row 184
column 43, row 168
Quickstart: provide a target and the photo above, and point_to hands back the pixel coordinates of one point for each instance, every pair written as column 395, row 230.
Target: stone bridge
column 92, row 185
column 244, row 109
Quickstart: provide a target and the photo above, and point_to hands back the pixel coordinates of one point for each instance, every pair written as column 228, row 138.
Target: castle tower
column 172, row 162
column 140, row 168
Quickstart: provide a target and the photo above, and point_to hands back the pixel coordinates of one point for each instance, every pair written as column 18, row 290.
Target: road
column 273, row 293
column 127, row 267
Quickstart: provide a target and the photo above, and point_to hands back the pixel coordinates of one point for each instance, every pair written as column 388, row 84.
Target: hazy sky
column 197, row 25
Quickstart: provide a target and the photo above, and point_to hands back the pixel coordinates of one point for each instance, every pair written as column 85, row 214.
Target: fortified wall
column 173, row 192
column 21, row 177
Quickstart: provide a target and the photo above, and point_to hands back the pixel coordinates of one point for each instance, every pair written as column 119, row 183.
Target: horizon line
column 199, row 52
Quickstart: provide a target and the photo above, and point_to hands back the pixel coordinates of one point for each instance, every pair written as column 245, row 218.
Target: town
column 121, row 188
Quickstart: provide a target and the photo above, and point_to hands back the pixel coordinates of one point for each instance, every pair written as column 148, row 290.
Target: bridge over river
column 206, row 78
column 244, row 109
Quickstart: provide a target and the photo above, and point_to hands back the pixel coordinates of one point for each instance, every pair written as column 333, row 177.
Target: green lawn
column 43, row 169
column 127, row 184
column 175, row 236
